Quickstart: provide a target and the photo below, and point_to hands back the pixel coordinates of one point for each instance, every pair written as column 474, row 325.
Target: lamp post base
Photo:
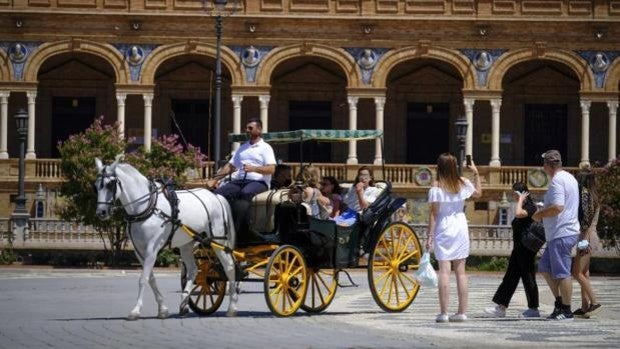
column 19, row 226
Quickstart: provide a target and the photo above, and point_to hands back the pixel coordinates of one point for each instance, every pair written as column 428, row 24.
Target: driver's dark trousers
column 241, row 189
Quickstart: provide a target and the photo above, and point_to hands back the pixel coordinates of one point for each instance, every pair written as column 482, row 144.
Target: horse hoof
column 162, row 314
column 231, row 313
column 133, row 317
column 183, row 311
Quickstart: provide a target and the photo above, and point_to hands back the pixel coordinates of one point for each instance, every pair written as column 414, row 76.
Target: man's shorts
column 556, row 260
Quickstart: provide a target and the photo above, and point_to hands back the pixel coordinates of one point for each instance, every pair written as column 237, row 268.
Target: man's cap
column 552, row 156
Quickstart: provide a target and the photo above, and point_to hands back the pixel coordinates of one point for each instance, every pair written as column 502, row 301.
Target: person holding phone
column 448, row 234
column 522, row 261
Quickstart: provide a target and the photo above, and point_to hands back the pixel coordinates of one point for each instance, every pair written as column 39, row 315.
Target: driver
column 251, row 166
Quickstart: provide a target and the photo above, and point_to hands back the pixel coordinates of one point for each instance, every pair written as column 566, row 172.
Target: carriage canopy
column 311, row 135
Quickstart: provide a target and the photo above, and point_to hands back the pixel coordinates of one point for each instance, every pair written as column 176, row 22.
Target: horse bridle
column 115, row 182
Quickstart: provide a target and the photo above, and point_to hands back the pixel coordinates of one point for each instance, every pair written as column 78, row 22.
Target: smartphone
column 468, row 160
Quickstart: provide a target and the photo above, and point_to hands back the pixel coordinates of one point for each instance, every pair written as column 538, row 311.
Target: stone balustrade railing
column 485, row 240
column 401, row 175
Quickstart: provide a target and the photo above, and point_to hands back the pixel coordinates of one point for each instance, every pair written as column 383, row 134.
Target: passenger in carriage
column 332, row 202
column 282, row 178
column 311, row 177
column 363, row 191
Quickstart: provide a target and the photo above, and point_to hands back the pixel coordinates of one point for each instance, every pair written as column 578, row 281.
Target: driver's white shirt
column 257, row 154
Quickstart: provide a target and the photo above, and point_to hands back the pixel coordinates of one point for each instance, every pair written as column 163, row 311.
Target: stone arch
column 613, row 77
column 454, row 58
column 6, row 70
column 166, row 52
column 570, row 59
column 108, row 52
column 336, row 55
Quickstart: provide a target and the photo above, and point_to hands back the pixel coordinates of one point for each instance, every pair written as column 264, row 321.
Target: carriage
column 300, row 268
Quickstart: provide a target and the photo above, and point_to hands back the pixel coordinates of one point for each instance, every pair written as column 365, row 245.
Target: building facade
column 528, row 75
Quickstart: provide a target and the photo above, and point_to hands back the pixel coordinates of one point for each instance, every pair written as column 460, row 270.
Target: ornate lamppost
column 461, row 135
column 219, row 12
column 21, row 216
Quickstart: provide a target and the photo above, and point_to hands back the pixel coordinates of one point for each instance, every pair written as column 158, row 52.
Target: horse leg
column 162, row 309
column 228, row 264
column 187, row 256
column 147, row 268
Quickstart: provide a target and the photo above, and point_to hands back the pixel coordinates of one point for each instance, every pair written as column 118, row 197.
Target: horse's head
column 106, row 186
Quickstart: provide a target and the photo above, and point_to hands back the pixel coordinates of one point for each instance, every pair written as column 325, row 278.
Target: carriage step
column 352, row 283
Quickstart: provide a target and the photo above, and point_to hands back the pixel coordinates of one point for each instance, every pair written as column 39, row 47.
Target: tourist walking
column 588, row 219
column 560, row 218
column 448, row 234
column 521, row 265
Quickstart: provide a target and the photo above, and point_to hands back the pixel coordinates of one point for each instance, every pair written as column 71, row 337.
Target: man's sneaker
column 495, row 311
column 458, row 318
column 593, row 310
column 442, row 318
column 562, row 316
column 579, row 313
column 531, row 312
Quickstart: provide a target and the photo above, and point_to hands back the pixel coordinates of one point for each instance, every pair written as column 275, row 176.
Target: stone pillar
column 496, row 104
column 585, row 134
column 4, row 116
column 379, row 107
column 613, row 112
column 469, row 115
column 236, row 99
column 120, row 113
column 264, row 111
column 352, row 158
column 30, row 153
column 148, row 117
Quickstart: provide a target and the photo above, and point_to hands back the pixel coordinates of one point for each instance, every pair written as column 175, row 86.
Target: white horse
column 149, row 212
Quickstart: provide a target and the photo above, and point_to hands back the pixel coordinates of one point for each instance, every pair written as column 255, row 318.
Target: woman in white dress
column 447, row 230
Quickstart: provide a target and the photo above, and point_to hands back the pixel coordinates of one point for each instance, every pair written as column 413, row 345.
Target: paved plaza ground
column 49, row 308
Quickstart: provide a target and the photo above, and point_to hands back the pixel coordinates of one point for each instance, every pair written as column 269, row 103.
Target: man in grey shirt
column 561, row 221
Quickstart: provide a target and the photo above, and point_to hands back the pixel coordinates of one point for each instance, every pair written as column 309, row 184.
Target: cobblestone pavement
column 87, row 309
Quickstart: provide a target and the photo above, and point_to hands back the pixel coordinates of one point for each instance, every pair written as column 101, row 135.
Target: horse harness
column 168, row 189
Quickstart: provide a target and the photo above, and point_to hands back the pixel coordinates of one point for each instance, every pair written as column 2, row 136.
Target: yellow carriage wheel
column 209, row 288
column 322, row 285
column 392, row 262
column 286, row 281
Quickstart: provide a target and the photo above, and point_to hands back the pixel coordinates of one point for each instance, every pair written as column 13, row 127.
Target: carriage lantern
column 20, row 216
column 461, row 134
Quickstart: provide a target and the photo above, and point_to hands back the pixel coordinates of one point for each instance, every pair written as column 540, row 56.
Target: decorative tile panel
column 309, row 5
column 464, row 6
column 271, row 5
column 45, row 3
column 425, row 6
column 387, row 6
column 349, row 6
column 599, row 63
column 542, row 7
column 155, row 4
column 580, row 7
column 115, row 3
column 189, row 5
column 77, row 3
